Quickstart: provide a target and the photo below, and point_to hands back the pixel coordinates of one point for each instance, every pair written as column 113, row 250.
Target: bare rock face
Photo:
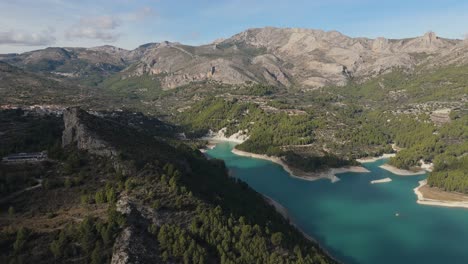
column 77, row 133
column 272, row 72
column 80, row 133
column 287, row 56
column 381, row 45
column 135, row 244
column 457, row 55
column 440, row 116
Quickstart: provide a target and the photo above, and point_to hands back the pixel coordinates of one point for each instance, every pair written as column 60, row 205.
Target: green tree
column 11, row 211
column 57, row 245
column 156, row 204
column 86, row 234
column 97, row 254
column 111, row 195
column 165, row 256
column 68, row 183
column 21, row 238
column 100, row 197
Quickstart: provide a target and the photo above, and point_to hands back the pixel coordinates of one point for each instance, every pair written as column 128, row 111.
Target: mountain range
column 282, row 57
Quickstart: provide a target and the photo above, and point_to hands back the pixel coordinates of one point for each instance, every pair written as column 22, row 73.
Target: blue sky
column 34, row 24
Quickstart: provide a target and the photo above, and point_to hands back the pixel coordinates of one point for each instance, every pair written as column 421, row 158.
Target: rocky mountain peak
column 308, row 58
column 108, row 49
column 430, row 36
column 380, row 44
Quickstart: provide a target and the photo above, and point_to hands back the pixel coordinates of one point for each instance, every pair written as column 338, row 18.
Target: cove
column 357, row 221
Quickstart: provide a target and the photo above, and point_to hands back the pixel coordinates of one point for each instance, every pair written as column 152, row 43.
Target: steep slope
column 127, row 197
column 287, row 57
column 18, row 86
column 321, row 58
column 176, row 65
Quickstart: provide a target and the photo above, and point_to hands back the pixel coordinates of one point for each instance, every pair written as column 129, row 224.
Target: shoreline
column 373, row 159
column 210, row 145
column 296, row 173
column 213, row 140
column 436, row 202
column 238, row 137
column 401, row 172
column 284, row 212
column 221, row 139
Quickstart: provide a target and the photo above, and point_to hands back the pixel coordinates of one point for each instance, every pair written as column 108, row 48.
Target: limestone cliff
column 81, row 131
column 77, row 133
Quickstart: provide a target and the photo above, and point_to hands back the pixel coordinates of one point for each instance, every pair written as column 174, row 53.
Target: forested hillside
column 359, row 120
column 157, row 195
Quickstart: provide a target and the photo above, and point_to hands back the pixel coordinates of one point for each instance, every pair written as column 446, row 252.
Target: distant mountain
column 18, row 86
column 282, row 57
column 92, row 64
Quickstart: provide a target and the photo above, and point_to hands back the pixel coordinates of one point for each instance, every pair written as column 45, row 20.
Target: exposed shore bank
column 296, row 173
column 330, row 174
column 214, row 138
column 384, row 180
column 435, row 197
column 401, row 172
column 238, row 137
column 373, row 159
column 217, row 139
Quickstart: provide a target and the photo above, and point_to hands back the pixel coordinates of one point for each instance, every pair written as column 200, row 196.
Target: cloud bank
column 22, row 38
column 100, row 27
column 105, row 28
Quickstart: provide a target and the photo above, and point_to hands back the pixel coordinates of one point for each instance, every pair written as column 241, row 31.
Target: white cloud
column 22, row 38
column 100, row 27
column 104, row 28
column 145, row 12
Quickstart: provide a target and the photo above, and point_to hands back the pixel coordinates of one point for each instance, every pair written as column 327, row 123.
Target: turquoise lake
column 355, row 220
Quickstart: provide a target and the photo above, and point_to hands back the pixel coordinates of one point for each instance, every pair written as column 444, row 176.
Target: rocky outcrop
column 135, row 244
column 81, row 132
column 77, row 133
column 440, row 116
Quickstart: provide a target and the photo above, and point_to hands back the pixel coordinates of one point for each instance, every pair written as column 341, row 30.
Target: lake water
column 356, row 221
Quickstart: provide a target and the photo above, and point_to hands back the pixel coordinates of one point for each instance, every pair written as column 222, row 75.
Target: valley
column 125, row 180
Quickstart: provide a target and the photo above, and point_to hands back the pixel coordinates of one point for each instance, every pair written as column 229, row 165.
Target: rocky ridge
column 135, row 244
column 284, row 57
